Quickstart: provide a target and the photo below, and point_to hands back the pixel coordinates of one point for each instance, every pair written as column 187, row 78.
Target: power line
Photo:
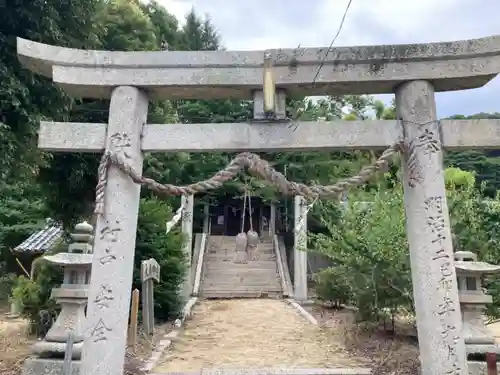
column 333, row 40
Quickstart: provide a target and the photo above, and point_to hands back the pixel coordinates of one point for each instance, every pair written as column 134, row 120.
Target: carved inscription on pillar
column 427, row 141
column 104, row 298
column 186, row 214
column 434, row 209
column 108, row 234
column 120, row 142
column 100, row 331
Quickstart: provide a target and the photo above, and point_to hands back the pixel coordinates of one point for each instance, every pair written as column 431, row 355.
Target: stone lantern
column 473, row 301
column 72, row 296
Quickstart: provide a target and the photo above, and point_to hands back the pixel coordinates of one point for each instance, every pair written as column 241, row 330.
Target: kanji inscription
column 108, row 234
column 100, row 331
column 428, row 142
column 120, row 142
column 105, row 296
column 435, row 219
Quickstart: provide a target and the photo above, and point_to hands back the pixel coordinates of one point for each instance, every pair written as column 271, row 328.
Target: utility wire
column 333, row 40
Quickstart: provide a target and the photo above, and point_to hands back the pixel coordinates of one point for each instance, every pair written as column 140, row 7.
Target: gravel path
column 253, row 334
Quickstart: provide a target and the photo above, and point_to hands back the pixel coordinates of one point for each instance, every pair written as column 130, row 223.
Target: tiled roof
column 41, row 241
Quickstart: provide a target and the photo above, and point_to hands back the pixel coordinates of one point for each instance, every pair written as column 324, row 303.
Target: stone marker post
column 272, row 220
column 300, row 250
column 150, row 272
column 134, row 316
column 442, row 348
column 206, row 217
column 187, row 231
column 114, row 245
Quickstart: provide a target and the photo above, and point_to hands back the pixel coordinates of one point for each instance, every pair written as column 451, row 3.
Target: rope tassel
column 102, row 181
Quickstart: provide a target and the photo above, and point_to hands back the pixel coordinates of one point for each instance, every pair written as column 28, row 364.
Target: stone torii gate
column 412, row 72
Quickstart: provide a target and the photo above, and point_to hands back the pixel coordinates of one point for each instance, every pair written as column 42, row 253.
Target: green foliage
column 26, row 293
column 153, row 242
column 34, row 295
column 126, row 27
column 455, row 177
column 485, row 164
column 332, row 284
column 31, row 298
column 368, row 245
column 24, row 97
column 7, row 283
column 369, row 248
column 22, row 212
column 165, row 24
column 476, row 225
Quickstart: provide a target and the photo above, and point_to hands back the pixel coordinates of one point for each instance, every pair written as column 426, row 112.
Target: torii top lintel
column 235, row 74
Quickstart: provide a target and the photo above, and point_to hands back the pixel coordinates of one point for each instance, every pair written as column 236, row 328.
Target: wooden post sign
column 150, row 270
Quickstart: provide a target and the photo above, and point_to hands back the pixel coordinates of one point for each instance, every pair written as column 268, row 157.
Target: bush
column 331, row 285
column 369, row 247
column 33, row 296
column 153, row 242
column 7, row 283
column 33, row 299
column 26, row 293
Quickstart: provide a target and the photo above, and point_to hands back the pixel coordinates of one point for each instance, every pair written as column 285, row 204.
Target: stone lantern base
column 482, row 349
column 477, row 368
column 37, row 366
column 48, row 349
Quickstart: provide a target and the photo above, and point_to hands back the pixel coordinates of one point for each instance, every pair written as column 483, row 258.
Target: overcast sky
column 260, row 24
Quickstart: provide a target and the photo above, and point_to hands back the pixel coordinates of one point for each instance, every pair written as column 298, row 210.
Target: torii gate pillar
column 435, row 289
column 300, row 250
column 114, row 245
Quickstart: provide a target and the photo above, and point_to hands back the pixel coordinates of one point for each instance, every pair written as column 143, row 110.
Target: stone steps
column 236, row 285
column 231, row 268
column 245, row 282
column 231, row 257
column 222, row 278
column 230, row 294
column 253, row 288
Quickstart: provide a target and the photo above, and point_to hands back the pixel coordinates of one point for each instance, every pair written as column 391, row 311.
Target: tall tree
column 25, row 99
column 69, row 180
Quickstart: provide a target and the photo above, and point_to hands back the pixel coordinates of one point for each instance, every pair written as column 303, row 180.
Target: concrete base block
column 39, row 366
